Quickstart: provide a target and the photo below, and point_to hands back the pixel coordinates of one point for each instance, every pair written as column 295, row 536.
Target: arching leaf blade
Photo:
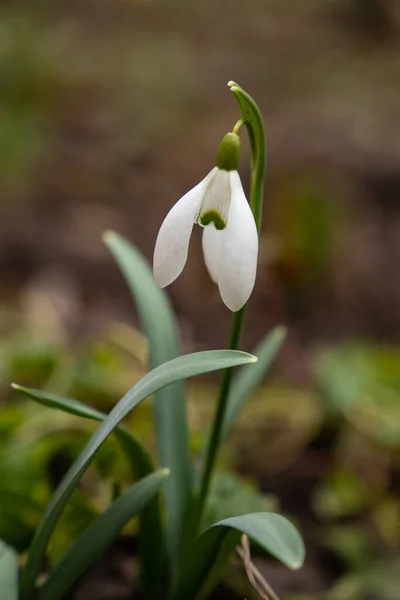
column 211, row 552
column 140, row 459
column 93, row 542
column 150, row 522
column 274, row 533
column 158, row 323
column 250, row 376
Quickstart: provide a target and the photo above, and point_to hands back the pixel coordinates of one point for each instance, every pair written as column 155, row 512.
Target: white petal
column 238, row 259
column 212, row 241
column 171, row 250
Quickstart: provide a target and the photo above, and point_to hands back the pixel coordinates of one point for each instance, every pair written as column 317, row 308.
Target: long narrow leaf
column 8, row 572
column 178, row 368
column 93, row 542
column 158, row 323
column 250, row 376
column 150, row 522
column 140, row 459
column 212, row 550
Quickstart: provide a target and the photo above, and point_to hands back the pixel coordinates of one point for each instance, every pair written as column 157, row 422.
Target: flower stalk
column 252, row 119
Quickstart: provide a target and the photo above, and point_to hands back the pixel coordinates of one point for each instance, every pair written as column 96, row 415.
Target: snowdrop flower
column 230, row 239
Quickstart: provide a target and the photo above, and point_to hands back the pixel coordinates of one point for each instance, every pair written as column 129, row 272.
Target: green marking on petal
column 212, row 216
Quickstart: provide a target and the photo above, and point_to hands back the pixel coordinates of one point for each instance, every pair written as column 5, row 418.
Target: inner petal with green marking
column 215, row 205
column 212, row 216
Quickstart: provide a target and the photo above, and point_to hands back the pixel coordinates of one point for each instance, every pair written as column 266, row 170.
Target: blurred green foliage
column 355, row 500
column 27, row 99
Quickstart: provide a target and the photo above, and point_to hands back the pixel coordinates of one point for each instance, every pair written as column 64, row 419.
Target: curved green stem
column 237, row 126
column 251, row 117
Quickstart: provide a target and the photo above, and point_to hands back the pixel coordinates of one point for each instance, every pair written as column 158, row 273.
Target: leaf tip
column 298, row 562
column 15, row 386
column 281, row 331
column 165, row 472
column 233, row 86
column 108, row 236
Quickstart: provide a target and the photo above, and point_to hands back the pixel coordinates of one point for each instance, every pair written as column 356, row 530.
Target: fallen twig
column 259, row 583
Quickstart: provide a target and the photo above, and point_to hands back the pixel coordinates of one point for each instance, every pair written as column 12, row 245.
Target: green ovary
column 212, row 216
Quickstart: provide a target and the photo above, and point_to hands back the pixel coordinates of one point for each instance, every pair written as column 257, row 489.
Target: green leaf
column 178, row 368
column 231, row 496
column 150, row 522
column 212, row 550
column 140, row 459
column 272, row 532
column 98, row 536
column 158, row 324
column 250, row 376
column 8, row 572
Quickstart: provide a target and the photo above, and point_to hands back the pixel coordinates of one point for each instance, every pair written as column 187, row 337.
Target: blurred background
column 110, row 110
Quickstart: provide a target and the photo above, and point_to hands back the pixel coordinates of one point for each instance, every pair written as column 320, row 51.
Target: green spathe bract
column 253, row 121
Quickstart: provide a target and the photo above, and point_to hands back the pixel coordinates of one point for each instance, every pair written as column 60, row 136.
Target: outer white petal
column 212, row 241
column 170, row 252
column 238, row 259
